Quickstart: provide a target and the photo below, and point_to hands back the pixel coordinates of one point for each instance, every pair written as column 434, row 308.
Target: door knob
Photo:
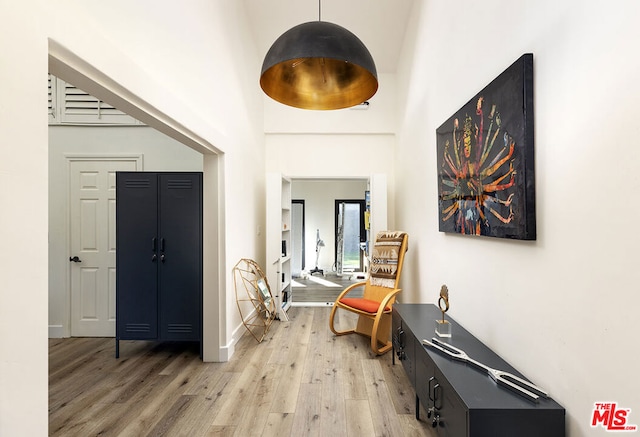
column 75, row 259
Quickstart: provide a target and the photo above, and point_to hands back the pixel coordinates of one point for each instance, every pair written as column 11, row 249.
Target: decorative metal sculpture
column 443, row 327
column 505, row 379
column 254, row 299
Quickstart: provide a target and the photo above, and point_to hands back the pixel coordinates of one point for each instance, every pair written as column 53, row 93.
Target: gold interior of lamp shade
column 319, row 65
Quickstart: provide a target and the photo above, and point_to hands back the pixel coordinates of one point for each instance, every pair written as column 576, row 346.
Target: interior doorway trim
column 70, row 67
column 302, row 233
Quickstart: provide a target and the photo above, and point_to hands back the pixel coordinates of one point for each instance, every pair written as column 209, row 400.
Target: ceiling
column 380, row 24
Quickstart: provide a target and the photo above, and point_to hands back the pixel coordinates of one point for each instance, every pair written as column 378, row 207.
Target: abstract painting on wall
column 486, row 179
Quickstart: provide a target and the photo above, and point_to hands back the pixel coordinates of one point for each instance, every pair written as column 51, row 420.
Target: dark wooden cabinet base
column 461, row 400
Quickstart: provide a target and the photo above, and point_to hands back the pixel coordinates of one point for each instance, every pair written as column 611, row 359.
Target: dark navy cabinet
column 158, row 256
column 460, row 400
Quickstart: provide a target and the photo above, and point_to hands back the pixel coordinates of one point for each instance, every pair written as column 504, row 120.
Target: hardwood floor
column 300, row 381
column 322, row 289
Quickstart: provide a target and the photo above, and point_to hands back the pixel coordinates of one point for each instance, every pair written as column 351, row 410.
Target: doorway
column 350, row 235
column 320, row 196
column 92, row 245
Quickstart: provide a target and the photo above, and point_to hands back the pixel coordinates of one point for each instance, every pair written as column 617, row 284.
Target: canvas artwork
column 486, row 181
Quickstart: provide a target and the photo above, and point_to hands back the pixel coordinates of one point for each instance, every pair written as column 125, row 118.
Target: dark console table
column 461, row 400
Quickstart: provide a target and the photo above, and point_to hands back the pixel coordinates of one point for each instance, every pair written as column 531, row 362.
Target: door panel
column 92, row 230
column 112, row 249
column 137, row 263
column 90, row 293
column 180, row 231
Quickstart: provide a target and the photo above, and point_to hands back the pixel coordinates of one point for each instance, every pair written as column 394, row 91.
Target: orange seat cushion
column 366, row 305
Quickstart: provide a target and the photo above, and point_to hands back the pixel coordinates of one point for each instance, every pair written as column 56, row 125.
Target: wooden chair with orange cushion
column 380, row 291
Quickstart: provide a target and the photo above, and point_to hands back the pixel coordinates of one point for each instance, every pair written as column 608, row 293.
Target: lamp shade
column 319, row 65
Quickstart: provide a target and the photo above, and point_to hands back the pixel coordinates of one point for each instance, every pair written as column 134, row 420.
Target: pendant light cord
column 319, row 10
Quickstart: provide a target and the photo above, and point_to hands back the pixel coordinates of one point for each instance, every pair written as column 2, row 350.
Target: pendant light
column 319, row 65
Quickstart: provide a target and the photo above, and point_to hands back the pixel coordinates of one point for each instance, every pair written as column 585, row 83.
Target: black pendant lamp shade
column 319, row 65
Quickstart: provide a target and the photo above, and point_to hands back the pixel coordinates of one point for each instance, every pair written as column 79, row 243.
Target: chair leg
column 380, row 350
column 380, row 334
column 332, row 327
column 377, row 330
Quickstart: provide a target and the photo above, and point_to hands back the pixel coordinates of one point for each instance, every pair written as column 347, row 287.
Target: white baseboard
column 312, row 304
column 226, row 352
column 56, row 331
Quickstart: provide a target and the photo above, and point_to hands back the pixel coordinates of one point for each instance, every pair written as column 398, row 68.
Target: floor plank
column 301, row 380
column 322, row 289
column 359, row 419
column 333, row 419
column 383, row 413
column 306, row 419
column 279, row 424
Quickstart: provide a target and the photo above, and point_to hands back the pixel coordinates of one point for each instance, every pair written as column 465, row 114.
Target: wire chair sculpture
column 254, row 299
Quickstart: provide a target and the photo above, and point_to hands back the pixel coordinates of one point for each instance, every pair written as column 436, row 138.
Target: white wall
column 562, row 309
column 159, row 152
column 202, row 80
column 337, row 156
column 320, row 196
column 23, row 221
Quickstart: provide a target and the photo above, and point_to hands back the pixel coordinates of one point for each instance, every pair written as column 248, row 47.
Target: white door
column 92, row 216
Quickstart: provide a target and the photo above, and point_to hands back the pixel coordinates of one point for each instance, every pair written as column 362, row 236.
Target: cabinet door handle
column 162, row 257
column 437, row 396
column 153, row 244
column 398, row 344
column 154, row 257
column 162, row 245
column 400, row 337
column 431, row 394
